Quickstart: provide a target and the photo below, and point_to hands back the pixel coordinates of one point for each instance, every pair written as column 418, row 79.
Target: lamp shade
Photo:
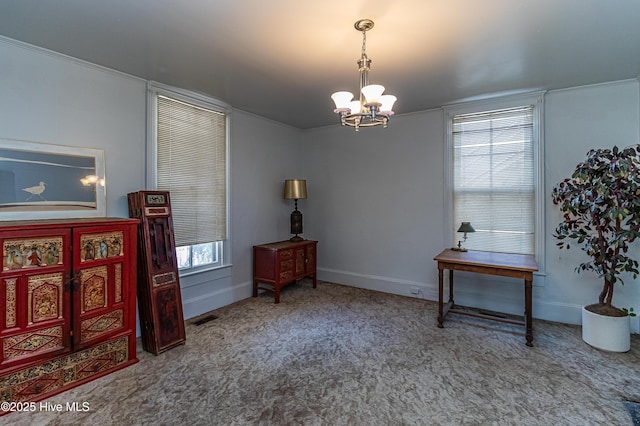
column 387, row 102
column 342, row 99
column 372, row 93
column 466, row 227
column 355, row 107
column 295, row 189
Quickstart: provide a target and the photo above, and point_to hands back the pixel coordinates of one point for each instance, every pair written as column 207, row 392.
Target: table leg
column 440, row 298
column 527, row 311
column 315, row 281
column 255, row 288
column 451, row 286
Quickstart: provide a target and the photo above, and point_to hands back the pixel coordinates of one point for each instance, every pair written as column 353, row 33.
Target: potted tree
column 601, row 206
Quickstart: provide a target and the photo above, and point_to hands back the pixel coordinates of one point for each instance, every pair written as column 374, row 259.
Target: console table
column 282, row 263
column 491, row 263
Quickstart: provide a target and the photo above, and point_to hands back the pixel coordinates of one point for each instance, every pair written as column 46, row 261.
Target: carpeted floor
column 339, row 355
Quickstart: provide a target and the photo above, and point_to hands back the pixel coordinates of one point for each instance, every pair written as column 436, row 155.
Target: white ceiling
column 283, row 58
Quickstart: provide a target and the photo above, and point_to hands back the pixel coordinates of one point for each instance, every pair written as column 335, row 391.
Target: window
column 495, row 175
column 189, row 159
column 194, row 256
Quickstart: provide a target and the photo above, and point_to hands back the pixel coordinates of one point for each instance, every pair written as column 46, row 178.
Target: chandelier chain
column 364, row 43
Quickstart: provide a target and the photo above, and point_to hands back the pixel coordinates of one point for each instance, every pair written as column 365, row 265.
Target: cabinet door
column 101, row 301
column 35, row 296
column 300, row 261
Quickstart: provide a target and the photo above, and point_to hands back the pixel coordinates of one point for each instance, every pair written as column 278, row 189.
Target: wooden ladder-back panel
column 159, row 299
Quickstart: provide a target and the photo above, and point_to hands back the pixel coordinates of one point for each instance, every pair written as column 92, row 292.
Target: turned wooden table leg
column 527, row 312
column 440, row 298
column 451, row 287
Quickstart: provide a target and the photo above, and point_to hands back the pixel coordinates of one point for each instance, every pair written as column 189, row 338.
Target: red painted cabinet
column 67, row 291
column 281, row 263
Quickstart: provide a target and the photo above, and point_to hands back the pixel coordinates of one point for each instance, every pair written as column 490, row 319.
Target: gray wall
column 49, row 98
column 375, row 197
column 378, row 210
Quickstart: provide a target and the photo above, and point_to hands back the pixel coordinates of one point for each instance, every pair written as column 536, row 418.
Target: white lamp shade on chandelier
column 372, row 93
column 387, row 102
column 343, row 100
column 372, row 108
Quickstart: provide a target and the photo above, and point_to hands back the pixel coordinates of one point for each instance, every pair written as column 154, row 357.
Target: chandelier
column 373, row 108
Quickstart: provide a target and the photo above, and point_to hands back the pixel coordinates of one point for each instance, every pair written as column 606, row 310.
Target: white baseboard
column 207, row 302
column 551, row 311
column 378, row 283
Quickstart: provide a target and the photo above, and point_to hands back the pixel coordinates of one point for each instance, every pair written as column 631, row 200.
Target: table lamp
column 295, row 189
column 465, row 227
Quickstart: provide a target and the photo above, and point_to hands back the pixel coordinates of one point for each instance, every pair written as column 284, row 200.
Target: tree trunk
column 607, row 293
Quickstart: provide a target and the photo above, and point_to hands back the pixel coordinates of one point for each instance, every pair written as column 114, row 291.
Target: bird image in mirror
column 35, row 190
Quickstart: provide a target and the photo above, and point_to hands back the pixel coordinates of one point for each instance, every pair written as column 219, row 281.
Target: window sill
column 221, row 270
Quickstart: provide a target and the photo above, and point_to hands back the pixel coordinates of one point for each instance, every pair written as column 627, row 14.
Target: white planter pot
column 605, row 332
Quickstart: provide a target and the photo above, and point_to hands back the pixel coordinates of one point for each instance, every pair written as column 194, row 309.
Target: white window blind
column 191, row 165
column 494, row 179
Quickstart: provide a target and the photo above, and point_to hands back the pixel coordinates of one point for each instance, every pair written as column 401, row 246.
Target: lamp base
column 296, row 238
column 459, row 248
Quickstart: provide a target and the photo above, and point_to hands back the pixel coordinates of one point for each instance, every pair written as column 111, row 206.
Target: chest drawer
column 286, row 265
column 285, row 254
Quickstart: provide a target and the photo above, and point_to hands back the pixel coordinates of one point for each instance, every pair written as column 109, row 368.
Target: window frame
column 155, row 89
column 490, row 104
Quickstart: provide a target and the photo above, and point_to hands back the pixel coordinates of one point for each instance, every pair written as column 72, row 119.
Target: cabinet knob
column 73, row 282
